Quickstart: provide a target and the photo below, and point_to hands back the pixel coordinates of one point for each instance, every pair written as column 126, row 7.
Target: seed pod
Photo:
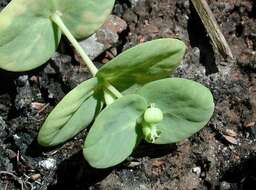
column 153, row 115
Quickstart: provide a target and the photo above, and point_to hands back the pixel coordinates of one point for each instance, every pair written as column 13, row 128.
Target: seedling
column 128, row 99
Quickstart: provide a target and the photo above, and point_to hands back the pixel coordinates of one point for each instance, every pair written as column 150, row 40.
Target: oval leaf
column 113, row 135
column 74, row 112
column 187, row 107
column 144, row 63
column 84, row 17
column 28, row 38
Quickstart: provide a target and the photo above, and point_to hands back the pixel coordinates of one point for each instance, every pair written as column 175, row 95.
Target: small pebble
column 35, row 177
column 196, row 170
column 48, row 164
column 16, row 137
column 231, row 140
column 230, row 132
column 225, row 186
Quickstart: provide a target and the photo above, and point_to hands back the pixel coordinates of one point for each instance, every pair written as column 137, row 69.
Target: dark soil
column 221, row 156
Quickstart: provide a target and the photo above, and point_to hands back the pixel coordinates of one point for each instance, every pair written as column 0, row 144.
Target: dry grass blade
column 212, row 27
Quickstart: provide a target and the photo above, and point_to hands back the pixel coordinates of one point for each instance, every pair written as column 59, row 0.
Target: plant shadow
column 153, row 150
column 7, row 86
column 242, row 176
column 75, row 173
column 36, row 150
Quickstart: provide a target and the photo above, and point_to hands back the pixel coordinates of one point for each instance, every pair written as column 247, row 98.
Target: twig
column 212, row 27
column 43, row 108
column 23, row 183
column 15, row 177
column 6, row 186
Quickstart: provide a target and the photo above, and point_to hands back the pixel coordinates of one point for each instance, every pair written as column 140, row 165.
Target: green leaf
column 84, row 17
column 187, row 107
column 74, row 113
column 28, row 38
column 144, row 63
column 114, row 135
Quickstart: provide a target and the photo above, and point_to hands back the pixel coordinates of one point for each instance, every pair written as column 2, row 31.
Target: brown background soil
column 221, row 156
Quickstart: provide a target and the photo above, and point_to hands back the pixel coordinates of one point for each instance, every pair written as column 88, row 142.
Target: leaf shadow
column 76, row 173
column 243, row 175
column 35, row 150
column 153, row 150
column 145, row 149
column 8, row 85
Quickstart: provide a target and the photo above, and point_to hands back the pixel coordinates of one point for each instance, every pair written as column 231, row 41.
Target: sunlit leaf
column 143, row 63
column 114, row 135
column 187, row 107
column 74, row 113
column 28, row 37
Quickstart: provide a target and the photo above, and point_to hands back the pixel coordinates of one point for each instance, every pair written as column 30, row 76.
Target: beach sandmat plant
column 129, row 99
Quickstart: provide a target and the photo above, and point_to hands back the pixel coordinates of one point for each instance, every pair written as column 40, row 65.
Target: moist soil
column 220, row 156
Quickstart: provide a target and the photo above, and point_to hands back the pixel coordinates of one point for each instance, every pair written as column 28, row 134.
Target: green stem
column 113, row 90
column 56, row 17
column 109, row 97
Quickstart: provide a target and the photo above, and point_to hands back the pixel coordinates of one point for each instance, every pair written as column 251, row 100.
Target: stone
column 23, row 98
column 48, row 164
column 225, row 186
column 197, row 171
column 3, row 126
column 3, row 3
column 135, row 2
column 104, row 38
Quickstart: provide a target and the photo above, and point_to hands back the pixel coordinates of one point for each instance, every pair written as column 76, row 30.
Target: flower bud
column 153, row 115
column 151, row 133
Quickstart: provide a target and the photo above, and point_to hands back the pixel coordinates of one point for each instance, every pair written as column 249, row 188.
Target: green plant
column 129, row 99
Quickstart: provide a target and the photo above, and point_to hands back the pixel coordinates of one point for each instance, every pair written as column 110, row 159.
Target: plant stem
column 109, row 97
column 113, row 90
column 56, row 18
